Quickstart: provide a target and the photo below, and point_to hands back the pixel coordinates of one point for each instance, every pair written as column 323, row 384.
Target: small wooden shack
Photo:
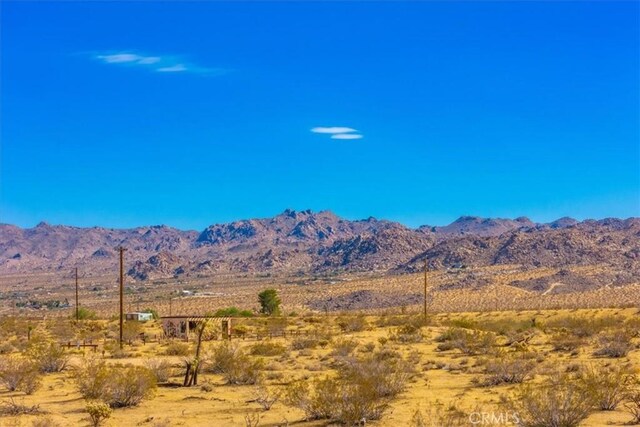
column 184, row 327
column 139, row 316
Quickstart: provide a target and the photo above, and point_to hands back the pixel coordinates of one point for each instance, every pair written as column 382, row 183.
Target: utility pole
column 121, row 249
column 170, row 306
column 77, row 306
column 425, row 288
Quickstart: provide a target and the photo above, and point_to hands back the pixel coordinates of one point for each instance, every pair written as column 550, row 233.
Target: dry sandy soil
column 440, row 378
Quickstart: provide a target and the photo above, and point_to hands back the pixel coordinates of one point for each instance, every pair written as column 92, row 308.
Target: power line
column 121, row 250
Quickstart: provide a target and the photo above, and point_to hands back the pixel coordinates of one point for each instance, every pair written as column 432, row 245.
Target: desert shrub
column 353, row 323
column 506, row 327
column 131, row 330
column 12, row 408
column 468, row 342
column 117, row 385
column 84, row 314
column 361, row 391
column 559, row 402
column 160, row 368
column 566, row 342
column 265, row 397
column 177, row 348
column 632, row 403
column 48, row 355
column 331, row 398
column 343, row 347
column 98, row 412
column 606, row 386
column 584, row 327
column 462, row 322
column 615, row 344
column 92, row 379
column 129, row 385
column 507, row 370
column 408, row 333
column 17, row 373
column 234, row 364
column 301, row 343
column 267, row 348
column 233, row 312
column 384, row 373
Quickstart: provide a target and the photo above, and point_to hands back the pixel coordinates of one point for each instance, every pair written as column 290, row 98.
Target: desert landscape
column 521, row 324
column 319, row 213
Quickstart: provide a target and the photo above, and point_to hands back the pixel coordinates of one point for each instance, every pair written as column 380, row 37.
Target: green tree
column 269, row 302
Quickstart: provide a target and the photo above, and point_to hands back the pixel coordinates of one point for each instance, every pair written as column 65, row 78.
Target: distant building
column 140, row 317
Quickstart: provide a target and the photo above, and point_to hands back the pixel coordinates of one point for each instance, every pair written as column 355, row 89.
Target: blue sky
column 123, row 114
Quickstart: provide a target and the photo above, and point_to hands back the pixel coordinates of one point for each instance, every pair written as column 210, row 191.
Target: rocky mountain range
column 306, row 242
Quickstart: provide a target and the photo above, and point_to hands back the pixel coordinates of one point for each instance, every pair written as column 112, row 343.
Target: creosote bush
column 18, row 373
column 508, row 370
column 467, row 341
column 559, row 402
column 116, row 385
column 234, row 364
column 178, row 348
column 47, row 354
column 353, row 323
column 160, row 368
column 607, row 386
column 361, row 391
column 614, row 344
column 267, row 348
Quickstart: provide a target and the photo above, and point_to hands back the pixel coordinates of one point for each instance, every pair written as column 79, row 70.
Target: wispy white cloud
column 162, row 64
column 338, row 132
column 173, row 69
column 346, row 136
column 332, row 129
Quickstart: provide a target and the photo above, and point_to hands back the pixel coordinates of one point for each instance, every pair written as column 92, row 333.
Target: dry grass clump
column 353, row 323
column 265, row 396
column 614, row 344
column 177, row 348
column 632, row 401
column 343, row 348
column 361, row 390
column 18, row 373
column 12, row 408
column 560, row 401
column 606, row 386
column 160, row 368
column 566, row 342
column 409, row 333
column 584, row 327
column 116, row 385
column 234, row 364
column 508, row 370
column 48, row 355
column 468, row 342
column 302, row 343
column 267, row 348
